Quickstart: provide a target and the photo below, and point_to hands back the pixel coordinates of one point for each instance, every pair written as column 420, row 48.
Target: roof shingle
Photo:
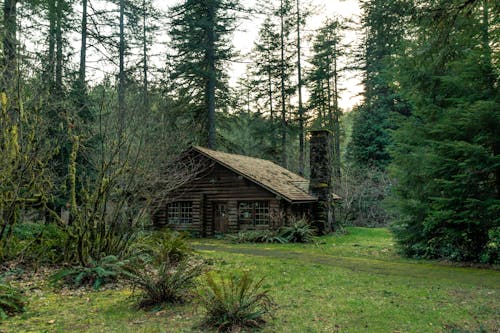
column 267, row 174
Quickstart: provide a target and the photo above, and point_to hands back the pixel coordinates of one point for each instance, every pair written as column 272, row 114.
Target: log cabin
column 232, row 193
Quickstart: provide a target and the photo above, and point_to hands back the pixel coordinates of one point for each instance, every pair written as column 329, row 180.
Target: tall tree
column 446, row 153
column 200, row 36
column 323, row 81
column 384, row 27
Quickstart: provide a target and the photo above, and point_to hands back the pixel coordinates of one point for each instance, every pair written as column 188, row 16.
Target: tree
column 323, row 81
column 200, row 39
column 383, row 23
column 446, row 153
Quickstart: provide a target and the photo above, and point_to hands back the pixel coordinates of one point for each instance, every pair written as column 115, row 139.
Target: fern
column 98, row 273
column 11, row 300
column 235, row 303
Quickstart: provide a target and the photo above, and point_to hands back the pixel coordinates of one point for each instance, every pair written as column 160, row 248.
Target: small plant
column 298, row 232
column 235, row 303
column 257, row 236
column 11, row 300
column 98, row 273
column 165, row 283
column 166, row 246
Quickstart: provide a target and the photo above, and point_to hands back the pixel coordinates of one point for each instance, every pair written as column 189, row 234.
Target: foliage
column 39, row 243
column 299, row 231
column 164, row 282
column 363, row 192
column 257, row 236
column 24, row 177
column 165, row 246
column 446, row 161
column 200, row 36
column 235, row 303
column 11, row 300
column 96, row 274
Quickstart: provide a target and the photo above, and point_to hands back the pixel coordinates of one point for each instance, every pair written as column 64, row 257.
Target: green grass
column 344, row 283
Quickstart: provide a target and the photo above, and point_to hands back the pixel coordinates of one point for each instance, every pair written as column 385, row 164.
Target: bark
column 145, row 58
column 59, row 48
column 283, row 96
column 301, row 110
column 121, row 74
column 211, row 82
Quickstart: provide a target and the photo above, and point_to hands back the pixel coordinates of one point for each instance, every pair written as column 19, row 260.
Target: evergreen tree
column 446, row 154
column 323, row 82
column 200, row 38
column 383, row 24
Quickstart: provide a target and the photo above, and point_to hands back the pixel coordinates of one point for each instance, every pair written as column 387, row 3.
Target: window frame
column 179, row 212
column 259, row 211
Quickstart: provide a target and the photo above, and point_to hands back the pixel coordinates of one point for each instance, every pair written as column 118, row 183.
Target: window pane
column 180, row 212
column 261, row 212
column 245, row 212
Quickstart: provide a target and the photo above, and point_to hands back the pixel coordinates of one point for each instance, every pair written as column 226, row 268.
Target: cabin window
column 180, row 212
column 253, row 212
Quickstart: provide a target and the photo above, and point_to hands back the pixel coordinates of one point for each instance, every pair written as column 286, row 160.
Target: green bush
column 165, row 246
column 235, row 303
column 164, row 283
column 257, row 236
column 298, row 232
column 11, row 300
column 98, row 273
column 491, row 253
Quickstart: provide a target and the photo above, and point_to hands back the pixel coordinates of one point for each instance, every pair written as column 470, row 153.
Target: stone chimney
column 320, row 184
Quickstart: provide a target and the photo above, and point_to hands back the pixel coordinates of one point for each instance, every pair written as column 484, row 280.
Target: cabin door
column 221, row 220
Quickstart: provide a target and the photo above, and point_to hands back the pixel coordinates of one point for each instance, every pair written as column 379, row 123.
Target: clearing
column 343, row 283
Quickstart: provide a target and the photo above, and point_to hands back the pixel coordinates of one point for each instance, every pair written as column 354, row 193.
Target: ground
column 342, row 283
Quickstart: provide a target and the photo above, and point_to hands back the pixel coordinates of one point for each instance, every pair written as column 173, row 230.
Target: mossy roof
column 264, row 173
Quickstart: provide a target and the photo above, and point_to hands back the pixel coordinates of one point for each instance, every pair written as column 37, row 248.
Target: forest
column 99, row 97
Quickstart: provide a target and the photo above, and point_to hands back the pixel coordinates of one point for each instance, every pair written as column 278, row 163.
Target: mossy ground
column 343, row 283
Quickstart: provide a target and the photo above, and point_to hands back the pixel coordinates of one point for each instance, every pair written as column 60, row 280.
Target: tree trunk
column 51, row 61
column 211, row 82
column 336, row 124
column 121, row 74
column 82, row 71
column 9, row 61
column 301, row 110
column 283, row 96
column 59, row 49
column 145, row 58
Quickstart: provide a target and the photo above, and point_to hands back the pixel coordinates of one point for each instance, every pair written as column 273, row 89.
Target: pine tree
column 446, row 154
column 383, row 23
column 200, row 38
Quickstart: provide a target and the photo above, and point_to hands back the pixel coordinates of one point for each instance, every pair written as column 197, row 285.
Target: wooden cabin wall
column 219, row 184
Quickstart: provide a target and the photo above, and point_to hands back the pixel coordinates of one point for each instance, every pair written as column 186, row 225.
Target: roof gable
column 266, row 174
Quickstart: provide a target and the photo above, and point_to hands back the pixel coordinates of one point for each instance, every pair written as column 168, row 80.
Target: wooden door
column 221, row 220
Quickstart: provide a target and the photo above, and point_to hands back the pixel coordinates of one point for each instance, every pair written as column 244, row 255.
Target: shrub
column 298, row 232
column 171, row 247
column 491, row 252
column 235, row 303
column 257, row 236
column 165, row 283
column 11, row 300
column 98, row 273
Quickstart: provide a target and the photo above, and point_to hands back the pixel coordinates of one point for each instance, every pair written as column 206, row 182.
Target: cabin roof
column 267, row 174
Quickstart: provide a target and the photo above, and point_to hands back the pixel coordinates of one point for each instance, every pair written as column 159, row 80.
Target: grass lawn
column 344, row 283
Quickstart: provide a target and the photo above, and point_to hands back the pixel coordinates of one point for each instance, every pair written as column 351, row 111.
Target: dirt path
column 477, row 277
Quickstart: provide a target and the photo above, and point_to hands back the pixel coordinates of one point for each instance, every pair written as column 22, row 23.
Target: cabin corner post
column 320, row 184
